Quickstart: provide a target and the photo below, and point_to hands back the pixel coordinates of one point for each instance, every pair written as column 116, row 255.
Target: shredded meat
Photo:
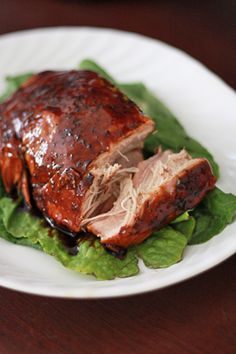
column 165, row 186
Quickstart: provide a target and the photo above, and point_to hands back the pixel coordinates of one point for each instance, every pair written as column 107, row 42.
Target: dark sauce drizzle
column 70, row 240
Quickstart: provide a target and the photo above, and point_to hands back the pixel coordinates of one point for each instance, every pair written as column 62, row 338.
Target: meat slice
column 66, row 135
column 165, row 186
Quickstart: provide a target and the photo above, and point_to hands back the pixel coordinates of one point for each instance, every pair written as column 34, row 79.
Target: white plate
column 204, row 104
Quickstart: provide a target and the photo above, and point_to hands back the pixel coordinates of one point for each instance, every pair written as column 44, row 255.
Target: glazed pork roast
column 71, row 143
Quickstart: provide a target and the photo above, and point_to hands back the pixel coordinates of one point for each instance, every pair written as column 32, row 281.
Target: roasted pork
column 71, row 143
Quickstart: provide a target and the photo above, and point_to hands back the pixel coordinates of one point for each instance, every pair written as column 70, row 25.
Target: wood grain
column 204, row 29
column 197, row 316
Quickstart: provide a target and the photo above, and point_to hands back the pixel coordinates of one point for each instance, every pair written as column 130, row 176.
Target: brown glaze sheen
column 187, row 190
column 55, row 127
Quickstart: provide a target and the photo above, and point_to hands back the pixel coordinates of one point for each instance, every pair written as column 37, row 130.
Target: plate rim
column 77, row 294
column 122, row 32
column 136, row 289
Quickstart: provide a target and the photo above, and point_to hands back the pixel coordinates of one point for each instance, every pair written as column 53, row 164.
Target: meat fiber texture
column 76, row 141
column 164, row 186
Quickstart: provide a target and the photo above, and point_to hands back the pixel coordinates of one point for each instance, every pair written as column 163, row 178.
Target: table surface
column 197, row 316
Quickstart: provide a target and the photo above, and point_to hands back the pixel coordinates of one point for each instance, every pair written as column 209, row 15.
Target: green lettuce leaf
column 163, row 249
column 9, row 237
column 21, row 227
column 186, row 227
column 215, row 212
column 12, row 84
column 183, row 217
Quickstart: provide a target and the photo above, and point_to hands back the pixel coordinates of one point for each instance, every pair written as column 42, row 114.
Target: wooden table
column 197, row 316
